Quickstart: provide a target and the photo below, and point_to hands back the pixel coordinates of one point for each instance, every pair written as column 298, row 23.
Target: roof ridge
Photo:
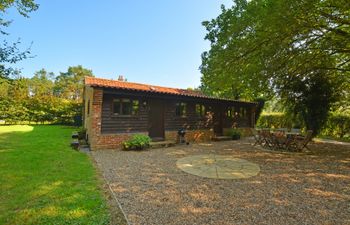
column 109, row 83
column 150, row 85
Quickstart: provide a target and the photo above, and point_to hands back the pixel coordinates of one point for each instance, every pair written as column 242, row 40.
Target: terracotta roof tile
column 99, row 82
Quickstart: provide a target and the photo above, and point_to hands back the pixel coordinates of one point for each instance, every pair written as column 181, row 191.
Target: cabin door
column 156, row 120
column 217, row 120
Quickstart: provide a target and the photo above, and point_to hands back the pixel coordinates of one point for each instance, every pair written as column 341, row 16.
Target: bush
column 82, row 133
column 274, row 120
column 234, row 133
column 137, row 142
column 337, row 125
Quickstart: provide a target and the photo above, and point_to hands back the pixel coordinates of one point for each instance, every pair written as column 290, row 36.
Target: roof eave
column 167, row 93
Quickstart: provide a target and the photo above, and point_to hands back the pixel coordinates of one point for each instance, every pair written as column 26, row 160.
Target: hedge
column 337, row 125
column 55, row 112
column 274, row 120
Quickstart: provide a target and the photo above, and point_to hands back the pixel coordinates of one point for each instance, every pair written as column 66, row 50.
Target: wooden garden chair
column 267, row 138
column 280, row 140
column 257, row 136
column 301, row 142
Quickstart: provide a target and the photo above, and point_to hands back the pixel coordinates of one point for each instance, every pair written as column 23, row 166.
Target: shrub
column 337, row 125
column 137, row 142
column 274, row 120
column 234, row 133
column 81, row 133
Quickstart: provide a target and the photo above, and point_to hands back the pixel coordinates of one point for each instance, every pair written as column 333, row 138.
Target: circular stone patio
column 218, row 166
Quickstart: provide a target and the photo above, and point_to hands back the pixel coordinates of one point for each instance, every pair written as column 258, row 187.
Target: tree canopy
column 44, row 97
column 70, row 84
column 298, row 50
column 10, row 52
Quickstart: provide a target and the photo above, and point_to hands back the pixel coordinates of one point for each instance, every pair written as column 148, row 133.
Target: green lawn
column 44, row 181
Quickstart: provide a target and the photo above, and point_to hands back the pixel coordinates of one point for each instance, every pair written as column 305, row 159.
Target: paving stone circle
column 218, row 166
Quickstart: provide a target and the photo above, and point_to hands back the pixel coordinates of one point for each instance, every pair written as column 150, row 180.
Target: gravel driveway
column 291, row 188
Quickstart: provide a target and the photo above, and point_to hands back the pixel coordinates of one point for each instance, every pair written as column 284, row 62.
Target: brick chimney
column 121, row 78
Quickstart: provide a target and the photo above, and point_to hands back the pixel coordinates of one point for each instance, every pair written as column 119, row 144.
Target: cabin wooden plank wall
column 139, row 123
column 191, row 121
column 122, row 124
column 239, row 120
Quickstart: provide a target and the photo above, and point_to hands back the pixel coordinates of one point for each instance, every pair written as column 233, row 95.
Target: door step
column 221, row 138
column 162, row 144
column 157, row 139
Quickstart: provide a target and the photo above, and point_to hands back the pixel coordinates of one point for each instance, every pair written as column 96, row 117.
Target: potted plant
column 235, row 134
column 82, row 134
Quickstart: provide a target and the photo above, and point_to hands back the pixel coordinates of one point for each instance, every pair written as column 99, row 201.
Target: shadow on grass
column 43, row 181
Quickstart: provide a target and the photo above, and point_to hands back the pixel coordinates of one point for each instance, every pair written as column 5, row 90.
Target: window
column 243, row 112
column 200, row 110
column 230, row 112
column 135, row 107
column 181, row 109
column 125, row 106
column 209, row 109
column 88, row 107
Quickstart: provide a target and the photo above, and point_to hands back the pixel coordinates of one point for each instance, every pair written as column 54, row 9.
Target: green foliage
column 69, row 85
column 234, row 133
column 273, row 105
column 337, row 124
column 81, row 133
column 274, row 120
column 312, row 102
column 297, row 50
column 10, row 53
column 260, row 107
column 40, row 99
column 23, row 6
column 138, row 142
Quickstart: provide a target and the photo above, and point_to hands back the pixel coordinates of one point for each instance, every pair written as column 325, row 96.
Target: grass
column 43, row 181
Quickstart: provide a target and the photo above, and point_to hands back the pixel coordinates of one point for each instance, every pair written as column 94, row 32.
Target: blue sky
column 157, row 42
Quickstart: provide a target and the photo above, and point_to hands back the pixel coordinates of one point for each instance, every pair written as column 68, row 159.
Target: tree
column 4, row 100
column 298, row 50
column 14, row 99
column 42, row 83
column 41, row 100
column 10, row 53
column 69, row 85
column 44, row 97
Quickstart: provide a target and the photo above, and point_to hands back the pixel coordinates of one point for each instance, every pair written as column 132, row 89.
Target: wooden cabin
column 115, row 110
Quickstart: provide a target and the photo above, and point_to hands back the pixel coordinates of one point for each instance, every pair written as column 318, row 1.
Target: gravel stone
column 311, row 187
